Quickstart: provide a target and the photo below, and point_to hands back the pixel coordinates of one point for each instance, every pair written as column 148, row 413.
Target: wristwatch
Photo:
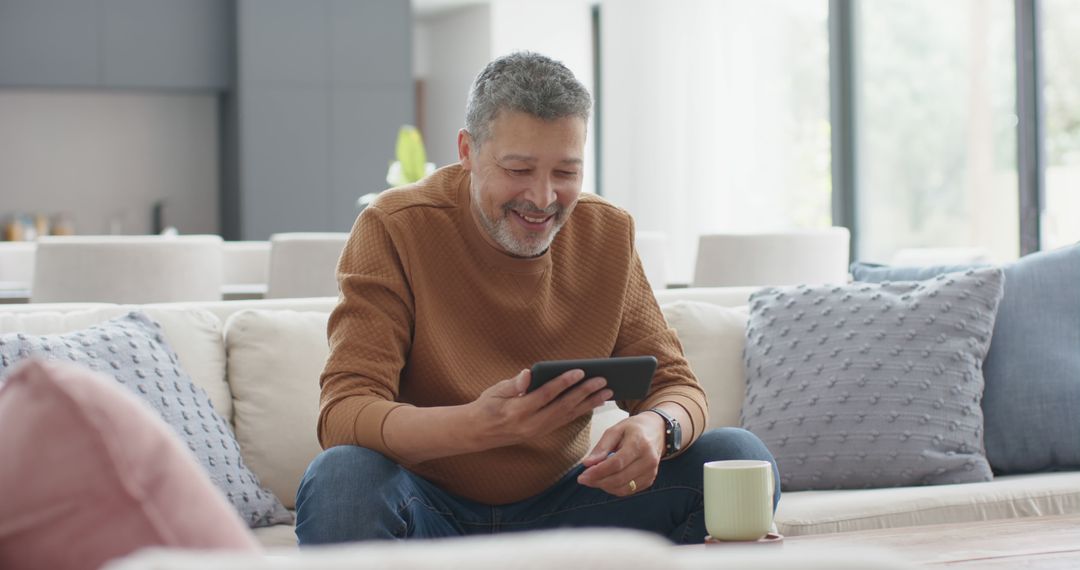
column 672, row 432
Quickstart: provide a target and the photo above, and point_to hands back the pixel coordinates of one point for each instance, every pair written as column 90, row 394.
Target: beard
column 501, row 229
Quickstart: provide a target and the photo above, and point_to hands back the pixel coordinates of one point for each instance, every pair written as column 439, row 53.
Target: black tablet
column 628, row 377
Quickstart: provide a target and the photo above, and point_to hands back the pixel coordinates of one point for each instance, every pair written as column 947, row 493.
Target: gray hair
column 527, row 82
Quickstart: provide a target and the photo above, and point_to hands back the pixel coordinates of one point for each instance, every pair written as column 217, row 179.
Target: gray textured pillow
column 872, row 385
column 1033, row 368
column 133, row 350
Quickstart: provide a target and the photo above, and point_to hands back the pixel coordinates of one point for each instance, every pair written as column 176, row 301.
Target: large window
column 936, row 126
column 716, row 117
column 1061, row 100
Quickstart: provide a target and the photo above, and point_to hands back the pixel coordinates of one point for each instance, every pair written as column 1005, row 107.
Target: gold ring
column 633, row 486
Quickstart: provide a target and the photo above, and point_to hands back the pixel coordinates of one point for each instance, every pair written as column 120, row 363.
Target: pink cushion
column 90, row 474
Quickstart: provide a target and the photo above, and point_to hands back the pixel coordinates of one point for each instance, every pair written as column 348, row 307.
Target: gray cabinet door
column 364, row 124
column 370, row 44
column 321, row 90
column 181, row 44
column 157, row 44
column 284, row 160
column 49, row 43
column 282, row 42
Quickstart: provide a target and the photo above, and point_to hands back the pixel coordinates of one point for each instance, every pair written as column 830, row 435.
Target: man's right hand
column 506, row 415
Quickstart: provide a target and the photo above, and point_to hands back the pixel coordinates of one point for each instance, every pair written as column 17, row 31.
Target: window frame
column 1031, row 165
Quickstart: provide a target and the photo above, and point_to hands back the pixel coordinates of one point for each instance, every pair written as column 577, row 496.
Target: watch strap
column 672, row 432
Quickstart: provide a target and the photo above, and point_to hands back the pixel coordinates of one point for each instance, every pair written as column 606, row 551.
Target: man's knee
column 344, row 496
column 718, row 445
column 347, row 468
column 343, row 473
column 730, row 443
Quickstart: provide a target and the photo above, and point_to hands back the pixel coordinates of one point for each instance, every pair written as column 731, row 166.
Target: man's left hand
column 628, row 451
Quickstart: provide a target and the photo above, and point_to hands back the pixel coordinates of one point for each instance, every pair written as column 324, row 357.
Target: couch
column 259, row 361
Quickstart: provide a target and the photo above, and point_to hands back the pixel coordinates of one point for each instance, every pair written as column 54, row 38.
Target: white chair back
column 17, row 263
column 245, row 263
column 127, row 269
column 652, row 249
column 304, row 264
column 787, row 258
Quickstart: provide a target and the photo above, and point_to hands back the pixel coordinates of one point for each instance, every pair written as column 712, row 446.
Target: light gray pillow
column 872, row 385
column 133, row 350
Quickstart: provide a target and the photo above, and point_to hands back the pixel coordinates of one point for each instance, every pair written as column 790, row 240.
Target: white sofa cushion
column 712, row 338
column 723, row 296
column 568, row 548
column 617, row 549
column 275, row 359
column 226, row 309
column 194, row 334
column 815, row 512
column 276, row 536
column 604, row 417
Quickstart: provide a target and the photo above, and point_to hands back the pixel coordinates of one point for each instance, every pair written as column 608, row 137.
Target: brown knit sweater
column 431, row 314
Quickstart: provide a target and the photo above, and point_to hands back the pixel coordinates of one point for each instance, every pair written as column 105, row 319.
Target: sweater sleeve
column 644, row 331
column 369, row 333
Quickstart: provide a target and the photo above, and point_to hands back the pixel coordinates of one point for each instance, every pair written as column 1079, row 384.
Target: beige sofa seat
column 1040, row 494
column 277, row 536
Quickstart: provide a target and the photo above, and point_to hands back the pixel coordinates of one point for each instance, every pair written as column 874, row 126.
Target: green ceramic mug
column 738, row 499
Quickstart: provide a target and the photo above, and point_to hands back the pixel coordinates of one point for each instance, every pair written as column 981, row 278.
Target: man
column 452, row 286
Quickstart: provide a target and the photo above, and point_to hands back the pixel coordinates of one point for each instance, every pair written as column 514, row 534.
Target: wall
column 104, row 158
column 716, row 118
column 560, row 29
column 453, row 46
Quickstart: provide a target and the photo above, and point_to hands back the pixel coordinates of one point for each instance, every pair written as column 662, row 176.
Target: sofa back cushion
column 275, row 359
column 723, row 296
column 194, row 334
column 712, row 338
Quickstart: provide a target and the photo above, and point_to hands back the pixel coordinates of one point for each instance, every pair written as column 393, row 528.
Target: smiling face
column 526, row 179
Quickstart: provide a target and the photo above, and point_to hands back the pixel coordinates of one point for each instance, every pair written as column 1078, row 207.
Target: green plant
column 411, row 164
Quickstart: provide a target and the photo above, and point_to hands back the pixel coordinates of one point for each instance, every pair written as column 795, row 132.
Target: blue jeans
column 351, row 493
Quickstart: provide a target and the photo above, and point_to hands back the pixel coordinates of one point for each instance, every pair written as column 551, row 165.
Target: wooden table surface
column 1029, row 542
